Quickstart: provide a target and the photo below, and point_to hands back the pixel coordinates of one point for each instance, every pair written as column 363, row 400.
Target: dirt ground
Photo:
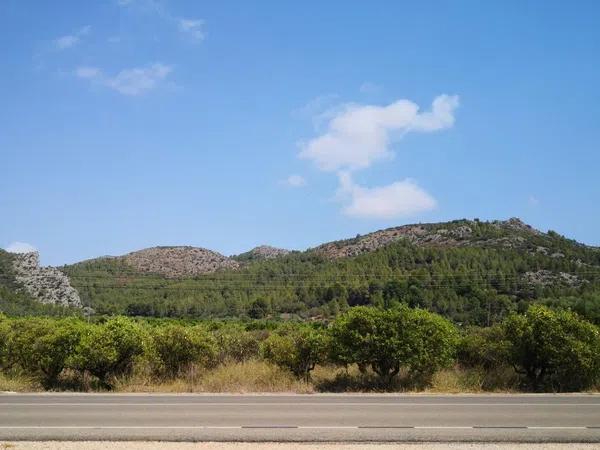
column 277, row 446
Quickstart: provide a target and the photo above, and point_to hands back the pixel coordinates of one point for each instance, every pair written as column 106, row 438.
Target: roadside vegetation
column 365, row 349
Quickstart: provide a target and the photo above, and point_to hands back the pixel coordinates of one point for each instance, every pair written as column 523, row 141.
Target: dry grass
column 457, row 380
column 249, row 376
column 260, row 376
column 18, row 383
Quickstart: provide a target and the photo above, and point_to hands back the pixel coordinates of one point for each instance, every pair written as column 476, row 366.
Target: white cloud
column 20, row 247
column 193, row 28
column 441, row 115
column 135, row 81
column 70, row 40
column 295, row 181
column 399, row 199
column 359, row 135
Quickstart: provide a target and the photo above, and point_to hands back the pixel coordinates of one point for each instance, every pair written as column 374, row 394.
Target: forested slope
column 470, row 271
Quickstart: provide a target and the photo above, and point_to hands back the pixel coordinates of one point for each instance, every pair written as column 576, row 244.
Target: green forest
column 476, row 283
column 478, row 280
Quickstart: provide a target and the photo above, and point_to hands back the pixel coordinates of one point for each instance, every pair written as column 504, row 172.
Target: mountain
column 512, row 233
column 471, row 271
column 178, row 262
column 27, row 288
column 260, row 253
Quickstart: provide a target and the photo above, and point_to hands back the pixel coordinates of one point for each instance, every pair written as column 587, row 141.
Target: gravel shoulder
column 58, row 445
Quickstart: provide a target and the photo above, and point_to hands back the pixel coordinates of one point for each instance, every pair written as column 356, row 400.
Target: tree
column 259, row 309
column 387, row 340
column 298, row 349
column 553, row 350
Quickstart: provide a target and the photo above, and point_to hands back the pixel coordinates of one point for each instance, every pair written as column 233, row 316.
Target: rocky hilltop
column 261, row 252
column 178, row 262
column 45, row 284
column 509, row 233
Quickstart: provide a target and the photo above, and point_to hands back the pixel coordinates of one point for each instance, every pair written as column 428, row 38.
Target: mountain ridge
column 457, row 268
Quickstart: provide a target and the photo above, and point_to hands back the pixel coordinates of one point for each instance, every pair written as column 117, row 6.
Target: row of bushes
column 549, row 350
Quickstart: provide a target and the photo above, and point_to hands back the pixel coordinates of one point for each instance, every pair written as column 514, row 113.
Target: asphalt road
column 523, row 418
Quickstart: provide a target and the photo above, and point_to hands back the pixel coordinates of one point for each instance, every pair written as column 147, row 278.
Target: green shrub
column 485, row 348
column 237, row 345
column 387, row 340
column 179, row 346
column 110, row 349
column 298, row 349
column 553, row 350
column 4, row 335
column 41, row 347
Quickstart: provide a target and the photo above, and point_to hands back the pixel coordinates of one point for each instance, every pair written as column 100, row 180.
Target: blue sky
column 129, row 124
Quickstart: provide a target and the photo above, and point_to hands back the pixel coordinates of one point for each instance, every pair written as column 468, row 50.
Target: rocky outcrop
column 547, row 278
column 45, row 284
column 262, row 252
column 178, row 262
column 457, row 234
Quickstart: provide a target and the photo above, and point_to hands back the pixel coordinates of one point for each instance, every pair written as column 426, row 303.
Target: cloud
column 193, row 28
column 359, row 135
column 70, row 40
column 20, row 247
column 295, row 181
column 135, row 81
column 398, row 199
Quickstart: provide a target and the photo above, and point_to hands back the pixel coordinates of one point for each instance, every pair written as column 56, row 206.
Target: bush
column 237, row 345
column 41, row 347
column 4, row 335
column 110, row 349
column 387, row 340
column 485, row 348
column 553, row 350
column 178, row 346
column 298, row 349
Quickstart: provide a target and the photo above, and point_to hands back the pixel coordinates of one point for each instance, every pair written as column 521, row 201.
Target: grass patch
column 459, row 380
column 236, row 377
column 18, row 383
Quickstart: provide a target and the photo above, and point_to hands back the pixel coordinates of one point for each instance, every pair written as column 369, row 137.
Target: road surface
column 525, row 418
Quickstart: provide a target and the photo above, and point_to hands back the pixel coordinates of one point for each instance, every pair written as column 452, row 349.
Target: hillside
column 178, row 262
column 261, row 253
column 21, row 290
column 470, row 271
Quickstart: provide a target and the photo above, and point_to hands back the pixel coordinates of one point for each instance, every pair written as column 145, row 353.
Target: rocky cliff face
column 45, row 284
column 178, row 262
